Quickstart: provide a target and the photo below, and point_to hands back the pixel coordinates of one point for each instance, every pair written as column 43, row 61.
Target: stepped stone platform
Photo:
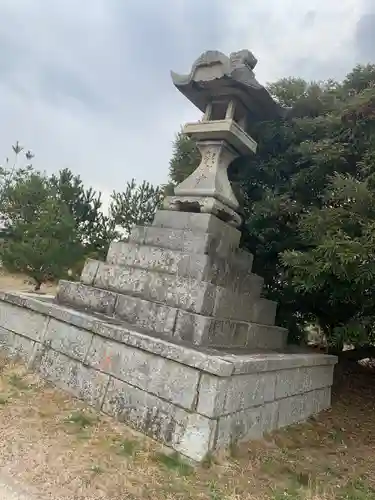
column 171, row 335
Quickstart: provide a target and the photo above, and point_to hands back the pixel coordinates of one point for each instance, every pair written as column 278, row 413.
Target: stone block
column 86, row 297
column 238, row 305
column 263, row 311
column 296, row 381
column 187, row 433
column 256, row 363
column 219, row 396
column 167, row 379
column 148, row 257
column 207, row 360
column 239, row 427
column 23, row 347
column 197, row 222
column 173, row 239
column 298, row 408
column 151, row 316
column 270, row 416
column 6, row 339
column 208, row 331
column 89, row 271
column 266, row 337
column 70, row 375
column 14, row 345
column 22, row 321
column 68, row 339
column 232, row 272
column 187, row 294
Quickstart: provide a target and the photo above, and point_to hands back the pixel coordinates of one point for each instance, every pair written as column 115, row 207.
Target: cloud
column 365, row 34
column 86, row 84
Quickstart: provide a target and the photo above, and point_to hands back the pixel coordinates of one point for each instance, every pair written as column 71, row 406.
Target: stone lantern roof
column 217, row 77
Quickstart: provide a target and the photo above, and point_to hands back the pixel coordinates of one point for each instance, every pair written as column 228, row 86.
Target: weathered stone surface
column 210, row 178
column 152, row 316
column 205, row 223
column 68, row 339
column 181, row 240
column 296, row 381
column 266, row 336
column 270, row 415
column 156, row 259
column 6, row 338
column 232, row 272
column 200, row 329
column 202, row 204
column 218, row 396
column 22, row 321
column 254, row 363
column 175, row 291
column 188, row 433
column 207, row 360
column 208, row 331
column 88, row 297
column 299, row 408
column 89, row 271
column 15, row 345
column 238, row 427
column 263, row 311
column 85, row 383
column 167, row 379
column 247, row 424
column 244, row 305
column 22, row 347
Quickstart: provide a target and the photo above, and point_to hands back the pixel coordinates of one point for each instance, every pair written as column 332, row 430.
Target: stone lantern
column 172, row 334
column 226, row 91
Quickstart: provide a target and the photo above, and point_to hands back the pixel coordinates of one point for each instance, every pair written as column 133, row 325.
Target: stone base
column 196, row 401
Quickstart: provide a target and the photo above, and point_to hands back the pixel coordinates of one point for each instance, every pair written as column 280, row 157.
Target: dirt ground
column 62, row 449
column 59, row 449
column 22, row 283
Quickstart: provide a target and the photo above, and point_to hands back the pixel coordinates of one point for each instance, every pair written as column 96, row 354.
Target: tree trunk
column 37, row 286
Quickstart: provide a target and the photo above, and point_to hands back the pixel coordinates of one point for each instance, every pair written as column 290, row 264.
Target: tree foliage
column 309, row 204
column 40, row 237
column 94, row 229
column 136, row 205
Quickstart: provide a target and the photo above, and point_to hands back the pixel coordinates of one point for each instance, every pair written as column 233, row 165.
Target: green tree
column 185, row 158
column 136, row 205
column 94, row 229
column 40, row 232
column 12, row 171
column 329, row 132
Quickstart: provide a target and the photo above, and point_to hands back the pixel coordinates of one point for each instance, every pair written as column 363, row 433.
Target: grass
column 3, row 400
column 127, row 447
column 81, row 420
column 357, row 490
column 66, row 450
column 96, row 469
column 174, row 462
column 17, row 382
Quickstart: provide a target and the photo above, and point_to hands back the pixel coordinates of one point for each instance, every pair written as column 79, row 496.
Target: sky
column 86, row 84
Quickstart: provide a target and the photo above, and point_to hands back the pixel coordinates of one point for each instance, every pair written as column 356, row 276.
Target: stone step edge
column 276, row 328
column 219, row 363
column 91, row 275
column 231, row 259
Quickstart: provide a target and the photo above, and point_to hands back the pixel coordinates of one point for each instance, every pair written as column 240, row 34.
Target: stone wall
column 192, row 400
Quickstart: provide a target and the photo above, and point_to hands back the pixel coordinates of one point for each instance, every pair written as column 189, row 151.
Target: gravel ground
column 10, row 491
column 60, row 449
